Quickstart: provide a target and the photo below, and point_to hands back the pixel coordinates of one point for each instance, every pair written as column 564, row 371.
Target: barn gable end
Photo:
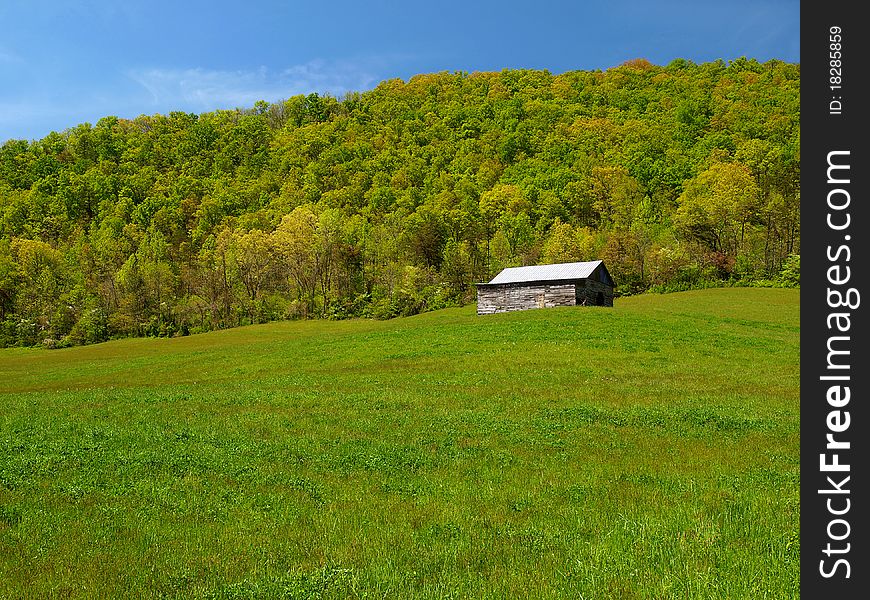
column 546, row 286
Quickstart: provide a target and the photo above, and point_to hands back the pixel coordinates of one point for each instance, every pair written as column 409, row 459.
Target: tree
column 716, row 207
column 42, row 278
column 9, row 280
column 496, row 202
column 617, row 195
column 294, row 241
column 520, row 235
column 255, row 266
column 456, row 266
column 328, row 250
column 562, row 244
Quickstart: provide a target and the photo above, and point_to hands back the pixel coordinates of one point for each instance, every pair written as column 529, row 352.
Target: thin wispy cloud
column 9, row 58
column 80, row 60
column 205, row 89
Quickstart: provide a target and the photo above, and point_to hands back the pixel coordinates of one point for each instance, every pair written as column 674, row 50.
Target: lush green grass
column 645, row 451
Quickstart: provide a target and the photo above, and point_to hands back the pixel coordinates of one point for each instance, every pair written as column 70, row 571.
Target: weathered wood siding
column 523, row 296
column 593, row 293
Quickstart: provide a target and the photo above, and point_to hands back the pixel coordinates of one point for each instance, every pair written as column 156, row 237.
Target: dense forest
column 396, row 200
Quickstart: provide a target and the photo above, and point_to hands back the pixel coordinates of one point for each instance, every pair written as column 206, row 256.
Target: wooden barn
column 546, row 286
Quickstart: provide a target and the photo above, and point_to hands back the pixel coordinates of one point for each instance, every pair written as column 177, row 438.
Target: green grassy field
column 645, row 451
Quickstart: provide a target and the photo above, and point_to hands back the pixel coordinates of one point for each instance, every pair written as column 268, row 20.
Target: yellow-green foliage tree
column 394, row 200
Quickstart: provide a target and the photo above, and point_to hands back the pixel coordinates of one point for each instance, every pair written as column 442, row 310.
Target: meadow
column 650, row 450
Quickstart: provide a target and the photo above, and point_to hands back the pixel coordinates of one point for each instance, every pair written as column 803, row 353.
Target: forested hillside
column 396, row 200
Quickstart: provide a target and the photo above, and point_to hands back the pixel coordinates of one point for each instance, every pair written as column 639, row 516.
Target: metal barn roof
column 575, row 270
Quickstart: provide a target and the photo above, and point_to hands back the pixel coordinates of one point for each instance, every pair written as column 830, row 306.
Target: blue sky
column 67, row 62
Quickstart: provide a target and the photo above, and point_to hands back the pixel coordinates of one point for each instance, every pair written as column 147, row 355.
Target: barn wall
column 518, row 296
column 588, row 290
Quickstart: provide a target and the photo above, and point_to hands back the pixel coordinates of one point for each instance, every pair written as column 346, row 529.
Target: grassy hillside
column 645, row 451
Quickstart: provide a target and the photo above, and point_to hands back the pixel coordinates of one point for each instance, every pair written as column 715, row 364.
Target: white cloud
column 155, row 90
column 204, row 89
column 10, row 58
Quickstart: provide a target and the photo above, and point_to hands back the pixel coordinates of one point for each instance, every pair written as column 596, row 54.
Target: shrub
column 91, row 328
column 790, row 273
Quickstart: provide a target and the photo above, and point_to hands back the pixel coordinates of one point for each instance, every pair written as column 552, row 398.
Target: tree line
column 396, row 200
